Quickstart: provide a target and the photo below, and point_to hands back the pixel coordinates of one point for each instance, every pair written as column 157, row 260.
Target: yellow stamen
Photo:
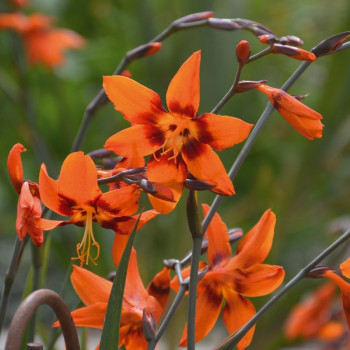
column 84, row 247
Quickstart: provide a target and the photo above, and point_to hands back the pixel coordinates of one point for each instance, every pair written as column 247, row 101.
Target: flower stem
column 231, row 341
column 251, row 141
column 262, row 53
column 10, row 276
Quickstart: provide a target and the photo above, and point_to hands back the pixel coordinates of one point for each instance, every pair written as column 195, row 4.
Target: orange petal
column 14, row 21
column 136, row 141
column 78, row 180
column 119, row 244
column 236, row 313
column 204, row 164
column 219, row 131
column 159, row 287
column 14, row 165
column 306, row 319
column 89, row 316
column 304, row 119
column 257, row 280
column 124, row 225
column 219, row 248
column 171, row 173
column 184, row 90
column 137, row 103
column 332, row 331
column 49, row 194
column 90, row 287
column 120, row 202
column 345, row 292
column 208, row 307
column 345, row 268
column 256, row 244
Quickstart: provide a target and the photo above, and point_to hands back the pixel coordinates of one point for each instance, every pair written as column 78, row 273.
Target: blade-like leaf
column 110, row 332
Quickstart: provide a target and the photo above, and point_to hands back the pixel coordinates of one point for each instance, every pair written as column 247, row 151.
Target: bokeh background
column 306, row 183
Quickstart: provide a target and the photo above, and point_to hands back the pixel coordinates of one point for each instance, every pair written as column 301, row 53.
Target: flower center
column 84, row 247
column 175, row 137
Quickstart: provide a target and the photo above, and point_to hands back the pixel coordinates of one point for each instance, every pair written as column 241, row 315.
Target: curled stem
column 232, row 340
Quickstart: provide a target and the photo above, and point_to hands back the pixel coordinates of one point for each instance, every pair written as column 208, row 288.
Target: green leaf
column 110, row 332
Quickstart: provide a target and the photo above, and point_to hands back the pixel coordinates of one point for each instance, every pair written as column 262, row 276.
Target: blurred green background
column 306, row 183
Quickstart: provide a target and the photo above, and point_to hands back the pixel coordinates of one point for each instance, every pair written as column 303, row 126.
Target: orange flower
column 136, row 300
column 77, row 194
column 234, row 278
column 43, row 43
column 302, row 118
column 308, row 319
column 29, row 206
column 179, row 140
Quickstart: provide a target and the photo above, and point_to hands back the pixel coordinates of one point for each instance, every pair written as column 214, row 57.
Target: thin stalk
column 232, row 340
column 260, row 54
column 10, row 276
column 251, row 141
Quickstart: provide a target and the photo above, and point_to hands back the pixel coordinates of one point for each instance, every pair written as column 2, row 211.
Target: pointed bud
column 247, row 85
column 243, row 52
column 126, row 73
column 223, row 24
column 291, row 40
column 331, row 44
column 162, row 192
column 193, row 17
column 294, row 52
column 268, row 38
column 143, row 51
column 148, row 325
column 256, row 27
column 318, row 272
column 198, row 185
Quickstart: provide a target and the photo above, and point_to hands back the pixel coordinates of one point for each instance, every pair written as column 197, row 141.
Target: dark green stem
column 260, row 54
column 232, row 340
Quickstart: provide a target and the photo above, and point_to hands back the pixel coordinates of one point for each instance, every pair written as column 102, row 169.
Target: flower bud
column 246, row 85
column 243, row 52
column 291, row 40
column 148, row 325
column 193, row 17
column 318, row 271
column 267, row 38
column 143, row 51
column 294, row 52
column 331, row 44
column 223, row 24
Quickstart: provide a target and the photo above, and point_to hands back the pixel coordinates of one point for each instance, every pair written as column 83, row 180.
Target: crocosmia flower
column 136, row 300
column 302, row 118
column 43, row 43
column 234, row 278
column 29, row 219
column 178, row 140
column 76, row 194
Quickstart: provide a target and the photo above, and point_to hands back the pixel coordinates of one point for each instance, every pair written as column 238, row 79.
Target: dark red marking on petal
column 187, row 111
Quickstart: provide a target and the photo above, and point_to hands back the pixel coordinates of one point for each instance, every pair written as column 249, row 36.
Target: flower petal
column 89, row 316
column 159, row 287
column 219, row 248
column 345, row 268
column 171, row 173
column 119, row 244
column 208, row 307
column 256, row 244
column 49, row 194
column 204, row 164
column 257, row 280
column 220, row 131
column 14, row 165
column 78, row 180
column 236, row 313
column 136, row 141
column 137, row 103
column 183, row 93
column 90, row 287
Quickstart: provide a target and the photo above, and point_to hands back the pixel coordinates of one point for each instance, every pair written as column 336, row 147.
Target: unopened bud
column 223, row 24
column 193, row 17
column 247, row 85
column 243, row 52
column 198, row 185
column 267, row 38
column 256, row 27
column 147, row 186
column 148, row 325
column 318, row 272
column 331, row 44
column 143, row 51
column 126, row 73
column 291, row 40
column 294, row 52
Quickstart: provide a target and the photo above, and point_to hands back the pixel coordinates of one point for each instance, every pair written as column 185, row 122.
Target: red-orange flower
column 29, row 206
column 234, row 278
column 178, row 140
column 43, row 43
column 76, row 194
column 303, row 119
column 312, row 316
column 136, row 300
